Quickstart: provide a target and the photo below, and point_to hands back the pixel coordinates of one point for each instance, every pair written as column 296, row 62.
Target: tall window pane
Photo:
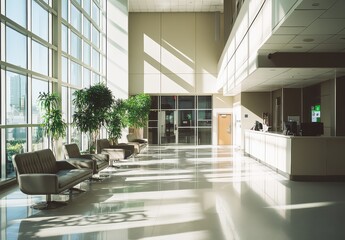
column 64, row 74
column 87, row 6
column 16, row 100
column 95, row 13
column 75, row 18
column 95, row 78
column 16, row 139
column 64, row 38
column 38, row 140
column 95, row 36
column 39, row 58
column 95, row 59
column 39, row 21
column 16, row 10
column 64, row 9
column 38, row 86
column 87, row 78
column 75, row 73
column 16, row 48
column 87, row 28
column 87, row 53
column 64, row 103
column 75, row 46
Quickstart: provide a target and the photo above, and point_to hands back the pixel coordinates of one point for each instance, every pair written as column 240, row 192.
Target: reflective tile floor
column 184, row 193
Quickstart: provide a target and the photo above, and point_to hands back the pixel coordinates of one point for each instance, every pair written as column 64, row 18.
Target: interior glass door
column 168, row 126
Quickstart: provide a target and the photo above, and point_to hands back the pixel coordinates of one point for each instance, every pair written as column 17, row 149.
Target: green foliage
column 91, row 106
column 52, row 122
column 138, row 109
column 116, row 119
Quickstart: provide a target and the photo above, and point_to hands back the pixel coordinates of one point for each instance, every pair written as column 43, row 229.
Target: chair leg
column 48, row 204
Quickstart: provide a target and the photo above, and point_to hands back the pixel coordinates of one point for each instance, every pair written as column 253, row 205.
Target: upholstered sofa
column 98, row 161
column 38, row 173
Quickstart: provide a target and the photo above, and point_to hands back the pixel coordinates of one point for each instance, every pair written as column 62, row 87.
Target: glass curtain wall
column 180, row 120
column 35, row 59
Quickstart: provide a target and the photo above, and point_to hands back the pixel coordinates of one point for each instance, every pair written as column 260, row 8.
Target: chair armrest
column 81, row 162
column 98, row 157
column 63, row 164
column 114, row 153
column 38, row 183
column 123, row 146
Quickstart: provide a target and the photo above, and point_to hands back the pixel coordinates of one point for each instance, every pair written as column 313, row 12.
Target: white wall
column 117, row 49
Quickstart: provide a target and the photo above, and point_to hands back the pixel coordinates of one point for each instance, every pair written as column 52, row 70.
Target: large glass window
column 87, row 78
column 16, row 48
column 39, row 21
column 39, row 58
column 16, row 107
column 16, row 10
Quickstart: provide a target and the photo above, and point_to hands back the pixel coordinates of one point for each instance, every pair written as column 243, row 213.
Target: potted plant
column 138, row 109
column 116, row 120
column 53, row 125
column 91, row 106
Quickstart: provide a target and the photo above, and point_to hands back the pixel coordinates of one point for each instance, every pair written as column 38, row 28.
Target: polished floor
column 184, row 193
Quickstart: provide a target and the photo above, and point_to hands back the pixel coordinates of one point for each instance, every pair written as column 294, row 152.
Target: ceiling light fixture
column 316, row 4
column 297, row 46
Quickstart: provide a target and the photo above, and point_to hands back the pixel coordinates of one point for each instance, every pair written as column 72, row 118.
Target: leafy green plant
column 116, row 120
column 52, row 122
column 91, row 106
column 138, row 109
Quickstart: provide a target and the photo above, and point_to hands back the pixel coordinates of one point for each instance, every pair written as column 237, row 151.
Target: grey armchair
column 103, row 144
column 38, row 173
column 73, row 156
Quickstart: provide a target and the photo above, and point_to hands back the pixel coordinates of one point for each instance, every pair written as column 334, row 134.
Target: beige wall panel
column 144, row 41
column 208, row 47
column 205, row 83
column 178, row 83
column 178, row 43
column 148, row 83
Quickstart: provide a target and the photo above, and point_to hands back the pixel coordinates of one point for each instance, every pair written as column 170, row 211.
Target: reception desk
column 298, row 157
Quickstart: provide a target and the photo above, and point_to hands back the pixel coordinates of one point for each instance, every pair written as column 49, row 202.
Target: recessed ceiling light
column 308, row 40
column 316, row 4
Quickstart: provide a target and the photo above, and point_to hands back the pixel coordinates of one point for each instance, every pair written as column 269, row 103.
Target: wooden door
column 224, row 129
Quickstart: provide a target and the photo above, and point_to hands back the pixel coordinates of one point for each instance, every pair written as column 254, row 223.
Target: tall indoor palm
column 52, row 122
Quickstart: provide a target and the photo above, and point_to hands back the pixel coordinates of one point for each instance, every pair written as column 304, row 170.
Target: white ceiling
column 315, row 26
column 176, row 5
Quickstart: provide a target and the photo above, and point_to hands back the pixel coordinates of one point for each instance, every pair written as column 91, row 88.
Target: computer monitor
column 290, row 128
